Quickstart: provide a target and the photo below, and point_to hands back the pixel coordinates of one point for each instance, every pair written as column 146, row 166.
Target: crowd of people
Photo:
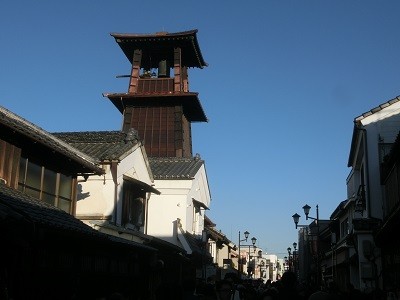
column 286, row 288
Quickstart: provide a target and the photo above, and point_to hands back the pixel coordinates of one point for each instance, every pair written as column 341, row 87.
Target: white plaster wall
column 135, row 165
column 200, row 189
column 200, row 192
column 166, row 208
column 382, row 126
column 176, row 201
column 100, row 200
column 101, row 189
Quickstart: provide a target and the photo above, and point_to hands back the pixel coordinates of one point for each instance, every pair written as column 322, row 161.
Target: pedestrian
column 224, row 289
column 238, row 289
column 270, row 294
column 320, row 295
column 288, row 287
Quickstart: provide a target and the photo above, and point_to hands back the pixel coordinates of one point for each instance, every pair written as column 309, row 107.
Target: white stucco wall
column 101, row 189
column 176, row 201
column 382, row 127
column 166, row 208
column 99, row 200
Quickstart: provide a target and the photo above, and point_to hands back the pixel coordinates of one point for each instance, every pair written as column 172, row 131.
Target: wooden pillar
column 177, row 70
column 133, row 82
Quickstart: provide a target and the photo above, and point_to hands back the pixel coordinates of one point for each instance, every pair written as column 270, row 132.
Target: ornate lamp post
column 240, row 264
column 286, row 263
column 296, row 218
column 306, row 209
column 289, row 251
column 295, row 258
column 250, row 268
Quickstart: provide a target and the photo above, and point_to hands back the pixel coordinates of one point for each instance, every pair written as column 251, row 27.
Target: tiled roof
column 217, row 235
column 196, row 244
column 19, row 205
column 32, row 132
column 149, row 241
column 189, row 101
column 209, row 222
column 102, row 145
column 41, row 213
column 175, row 167
column 357, row 124
column 157, row 42
column 339, row 208
column 376, row 109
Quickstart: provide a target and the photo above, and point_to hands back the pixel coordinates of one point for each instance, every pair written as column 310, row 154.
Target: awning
column 144, row 186
column 199, row 204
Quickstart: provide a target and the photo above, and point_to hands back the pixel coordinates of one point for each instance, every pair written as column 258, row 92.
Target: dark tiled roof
column 102, row 145
column 376, row 109
column 175, row 167
column 190, row 102
column 208, row 222
column 150, row 241
column 32, row 132
column 357, row 124
column 217, row 235
column 47, row 216
column 43, row 214
column 195, row 244
column 158, row 42
column 339, row 209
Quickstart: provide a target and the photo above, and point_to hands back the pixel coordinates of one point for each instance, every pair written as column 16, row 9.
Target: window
column 49, row 186
column 65, row 189
column 384, row 150
column 46, row 185
column 344, row 228
column 33, row 180
column 133, row 210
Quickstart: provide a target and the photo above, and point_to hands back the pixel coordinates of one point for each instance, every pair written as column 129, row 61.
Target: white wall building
column 374, row 133
column 119, row 197
column 185, row 195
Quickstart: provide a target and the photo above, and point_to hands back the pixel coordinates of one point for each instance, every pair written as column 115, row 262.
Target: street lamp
column 246, row 236
column 295, row 257
column 296, row 218
column 285, row 263
column 253, row 244
column 306, row 209
column 289, row 250
column 253, row 241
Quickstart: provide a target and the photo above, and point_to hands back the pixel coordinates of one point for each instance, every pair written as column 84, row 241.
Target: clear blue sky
column 285, row 81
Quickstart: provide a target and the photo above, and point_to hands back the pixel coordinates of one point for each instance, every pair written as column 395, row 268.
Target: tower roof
column 190, row 102
column 156, row 46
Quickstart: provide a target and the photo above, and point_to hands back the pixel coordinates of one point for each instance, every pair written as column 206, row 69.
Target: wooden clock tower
column 158, row 103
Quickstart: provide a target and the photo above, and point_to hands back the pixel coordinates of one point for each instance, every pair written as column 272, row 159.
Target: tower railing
column 155, row 85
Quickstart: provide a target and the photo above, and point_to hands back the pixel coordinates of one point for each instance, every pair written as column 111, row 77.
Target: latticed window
column 46, row 185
